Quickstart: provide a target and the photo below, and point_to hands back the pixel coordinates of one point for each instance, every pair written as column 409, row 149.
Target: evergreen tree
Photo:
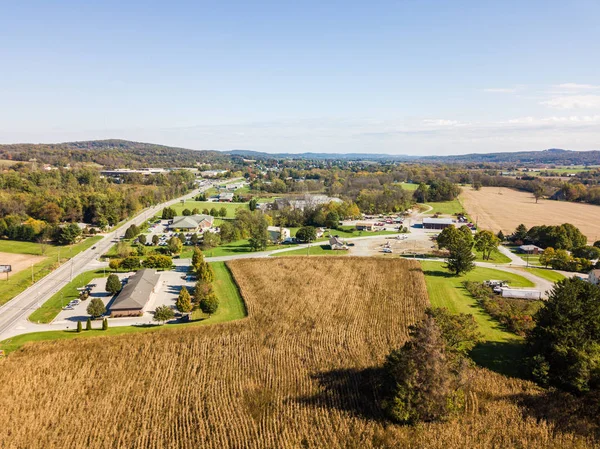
column 565, row 344
column 461, row 258
column 105, row 324
column 423, row 383
column 79, row 327
column 184, row 303
column 88, row 325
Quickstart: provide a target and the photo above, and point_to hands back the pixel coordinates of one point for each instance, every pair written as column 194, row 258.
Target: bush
column 104, row 324
column 113, row 284
column 158, row 262
column 163, row 313
column 88, row 325
column 210, row 304
column 96, row 308
column 79, row 326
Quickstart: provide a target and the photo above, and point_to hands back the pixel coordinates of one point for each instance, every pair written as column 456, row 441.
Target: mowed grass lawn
column 549, row 275
column 231, row 307
column 20, row 281
column 446, row 207
column 495, row 257
column 51, row 308
column 233, row 248
column 501, row 350
column 201, row 205
column 315, row 250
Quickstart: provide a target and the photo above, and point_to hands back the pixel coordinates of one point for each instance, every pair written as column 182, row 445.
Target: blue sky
column 402, row 77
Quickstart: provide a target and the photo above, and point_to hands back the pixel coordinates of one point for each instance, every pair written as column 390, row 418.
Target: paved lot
column 166, row 293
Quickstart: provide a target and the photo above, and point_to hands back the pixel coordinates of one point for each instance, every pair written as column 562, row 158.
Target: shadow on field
column 507, row 357
column 568, row 413
column 350, row 390
column 439, row 273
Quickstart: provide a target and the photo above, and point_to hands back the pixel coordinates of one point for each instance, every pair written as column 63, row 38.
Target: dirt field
column 507, row 209
column 299, row 372
column 18, row 261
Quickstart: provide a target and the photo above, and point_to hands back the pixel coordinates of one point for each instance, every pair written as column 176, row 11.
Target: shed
column 364, row 226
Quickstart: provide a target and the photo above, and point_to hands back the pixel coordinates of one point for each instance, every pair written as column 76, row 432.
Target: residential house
column 530, row 249
column 225, row 197
column 278, row 234
column 337, row 244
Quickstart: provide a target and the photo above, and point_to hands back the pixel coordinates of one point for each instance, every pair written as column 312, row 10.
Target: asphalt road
column 22, row 305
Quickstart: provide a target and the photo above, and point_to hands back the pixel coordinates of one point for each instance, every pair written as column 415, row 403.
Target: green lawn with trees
column 18, row 282
column 452, row 207
column 201, row 205
column 549, row 275
column 501, row 350
column 231, row 307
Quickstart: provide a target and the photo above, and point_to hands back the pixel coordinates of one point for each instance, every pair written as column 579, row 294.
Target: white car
column 387, row 250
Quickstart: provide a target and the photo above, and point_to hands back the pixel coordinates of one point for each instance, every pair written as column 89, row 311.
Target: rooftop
column 137, row 291
column 438, row 221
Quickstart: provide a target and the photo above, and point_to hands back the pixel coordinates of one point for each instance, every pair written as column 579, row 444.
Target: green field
column 20, row 281
column 549, row 275
column 231, row 307
column 495, row 257
column 446, row 208
column 409, row 186
column 201, row 205
column 501, row 351
column 350, row 231
column 315, row 250
column 51, row 308
column 233, row 248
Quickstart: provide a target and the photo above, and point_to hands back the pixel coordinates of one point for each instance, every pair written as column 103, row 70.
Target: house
column 336, row 244
column 277, row 234
column 192, row 223
column 320, row 232
column 594, row 277
column 136, row 294
column 225, row 197
column 530, row 249
column 437, row 223
column 364, row 226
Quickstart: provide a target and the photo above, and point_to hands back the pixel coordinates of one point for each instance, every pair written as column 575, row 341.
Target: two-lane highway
column 22, row 305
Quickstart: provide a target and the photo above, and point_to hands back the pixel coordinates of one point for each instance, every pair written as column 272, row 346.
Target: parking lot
column 167, row 291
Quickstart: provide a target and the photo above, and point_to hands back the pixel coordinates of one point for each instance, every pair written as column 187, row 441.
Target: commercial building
column 136, row 294
column 192, row 223
column 437, row 223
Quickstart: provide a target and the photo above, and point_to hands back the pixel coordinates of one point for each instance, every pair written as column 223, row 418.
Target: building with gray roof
column 136, row 294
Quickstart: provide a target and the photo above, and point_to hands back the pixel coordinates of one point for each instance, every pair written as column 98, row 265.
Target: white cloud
column 573, row 102
column 576, row 86
column 442, row 123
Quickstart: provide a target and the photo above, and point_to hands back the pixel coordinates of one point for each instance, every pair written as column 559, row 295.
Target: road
column 15, row 312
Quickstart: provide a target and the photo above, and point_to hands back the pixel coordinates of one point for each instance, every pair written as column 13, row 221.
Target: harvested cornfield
column 504, row 209
column 297, row 373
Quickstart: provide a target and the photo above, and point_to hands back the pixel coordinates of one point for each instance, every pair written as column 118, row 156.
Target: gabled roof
column 136, row 293
column 335, row 241
column 191, row 221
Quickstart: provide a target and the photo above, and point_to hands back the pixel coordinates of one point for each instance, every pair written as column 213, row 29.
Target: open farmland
column 504, row 209
column 297, row 373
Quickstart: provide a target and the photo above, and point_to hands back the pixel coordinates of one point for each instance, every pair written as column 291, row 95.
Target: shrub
column 96, row 308
column 210, row 304
column 113, row 284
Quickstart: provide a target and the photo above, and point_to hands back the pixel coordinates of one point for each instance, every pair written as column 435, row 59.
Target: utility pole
column 71, row 271
column 32, row 282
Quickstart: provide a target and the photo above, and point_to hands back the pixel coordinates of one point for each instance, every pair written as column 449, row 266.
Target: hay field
column 504, row 209
column 297, row 373
column 19, row 262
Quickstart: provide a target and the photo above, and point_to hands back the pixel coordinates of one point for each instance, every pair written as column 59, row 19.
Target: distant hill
column 123, row 153
column 111, row 153
column 321, row 156
column 551, row 156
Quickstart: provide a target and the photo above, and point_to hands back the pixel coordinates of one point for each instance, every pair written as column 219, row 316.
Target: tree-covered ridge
column 111, row 154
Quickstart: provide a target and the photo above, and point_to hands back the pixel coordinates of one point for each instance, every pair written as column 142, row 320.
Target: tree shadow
column 350, row 390
column 569, row 413
column 439, row 273
column 506, row 357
